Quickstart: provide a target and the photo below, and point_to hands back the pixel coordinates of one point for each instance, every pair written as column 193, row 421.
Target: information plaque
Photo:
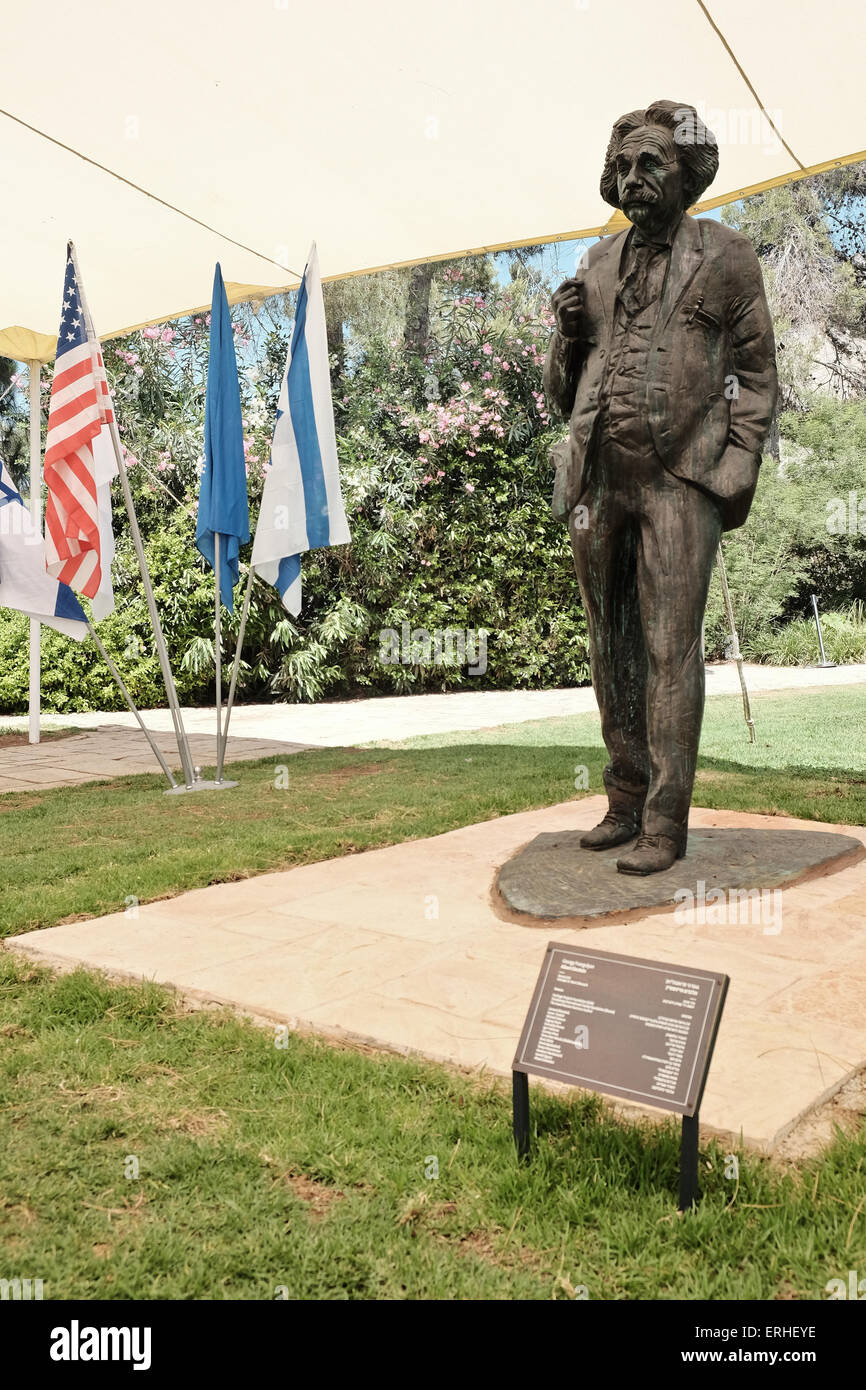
column 640, row 1030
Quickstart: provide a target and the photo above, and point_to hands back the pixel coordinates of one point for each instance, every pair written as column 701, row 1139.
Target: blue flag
column 223, row 508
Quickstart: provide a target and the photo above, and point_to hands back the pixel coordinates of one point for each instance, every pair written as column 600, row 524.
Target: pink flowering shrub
column 445, row 465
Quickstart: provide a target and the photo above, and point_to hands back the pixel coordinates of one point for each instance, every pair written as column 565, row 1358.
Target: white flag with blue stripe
column 302, row 503
column 25, row 584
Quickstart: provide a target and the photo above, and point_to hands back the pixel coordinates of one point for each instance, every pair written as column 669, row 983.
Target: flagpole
column 161, row 650
column 36, row 516
column 235, row 669
column 128, row 698
column 251, row 576
column 218, row 655
column 313, row 332
column 735, row 643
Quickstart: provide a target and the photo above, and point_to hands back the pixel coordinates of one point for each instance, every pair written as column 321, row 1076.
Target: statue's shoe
column 617, row 828
column 652, row 854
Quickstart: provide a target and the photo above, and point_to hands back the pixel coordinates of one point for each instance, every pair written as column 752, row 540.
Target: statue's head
column 658, row 163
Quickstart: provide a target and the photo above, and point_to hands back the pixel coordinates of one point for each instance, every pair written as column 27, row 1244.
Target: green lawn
column 85, row 850
column 802, row 731
column 306, row 1170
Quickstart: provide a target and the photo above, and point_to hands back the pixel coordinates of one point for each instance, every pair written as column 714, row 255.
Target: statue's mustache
column 640, row 197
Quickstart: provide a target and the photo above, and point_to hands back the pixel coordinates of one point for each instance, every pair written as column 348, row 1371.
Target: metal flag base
column 199, row 785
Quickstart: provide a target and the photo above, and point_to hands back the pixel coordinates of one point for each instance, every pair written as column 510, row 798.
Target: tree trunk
column 416, row 335
column 334, row 329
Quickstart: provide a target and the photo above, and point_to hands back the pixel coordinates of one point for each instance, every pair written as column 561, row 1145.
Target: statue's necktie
column 633, row 290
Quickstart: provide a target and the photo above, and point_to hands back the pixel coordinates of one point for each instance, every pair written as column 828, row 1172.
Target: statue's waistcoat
column 623, row 401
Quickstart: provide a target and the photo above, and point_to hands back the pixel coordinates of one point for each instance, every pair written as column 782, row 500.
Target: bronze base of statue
column 552, row 879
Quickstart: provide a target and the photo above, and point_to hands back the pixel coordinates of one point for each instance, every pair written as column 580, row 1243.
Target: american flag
column 78, row 541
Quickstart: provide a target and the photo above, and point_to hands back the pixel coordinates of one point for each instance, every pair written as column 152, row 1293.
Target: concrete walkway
column 114, row 746
column 112, row 751
column 401, row 947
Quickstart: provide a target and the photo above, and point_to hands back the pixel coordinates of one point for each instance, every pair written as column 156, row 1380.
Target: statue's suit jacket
column 711, row 368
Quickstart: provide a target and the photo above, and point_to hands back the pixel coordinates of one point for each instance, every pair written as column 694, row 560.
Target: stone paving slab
column 402, row 947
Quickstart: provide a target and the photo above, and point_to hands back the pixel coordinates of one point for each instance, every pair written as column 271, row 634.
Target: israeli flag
column 302, row 504
column 25, row 584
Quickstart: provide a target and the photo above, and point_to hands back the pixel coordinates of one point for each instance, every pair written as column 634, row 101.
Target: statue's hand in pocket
column 560, row 457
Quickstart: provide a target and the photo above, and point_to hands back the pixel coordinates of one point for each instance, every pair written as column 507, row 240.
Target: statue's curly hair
column 698, row 150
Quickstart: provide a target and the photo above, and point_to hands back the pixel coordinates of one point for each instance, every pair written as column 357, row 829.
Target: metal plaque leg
column 520, row 1094
column 689, row 1162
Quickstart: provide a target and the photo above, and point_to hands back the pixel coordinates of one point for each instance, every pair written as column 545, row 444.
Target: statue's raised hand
column 568, row 309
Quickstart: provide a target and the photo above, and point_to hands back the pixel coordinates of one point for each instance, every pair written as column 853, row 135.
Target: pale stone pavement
column 401, row 947
column 114, row 745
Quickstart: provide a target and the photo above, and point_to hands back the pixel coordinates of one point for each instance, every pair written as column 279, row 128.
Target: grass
column 83, row 851
column 305, row 1169
column 804, row 731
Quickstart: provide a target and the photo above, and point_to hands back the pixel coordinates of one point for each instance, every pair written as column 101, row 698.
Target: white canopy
column 166, row 135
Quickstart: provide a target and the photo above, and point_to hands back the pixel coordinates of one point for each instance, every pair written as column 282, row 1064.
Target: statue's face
column 650, row 179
